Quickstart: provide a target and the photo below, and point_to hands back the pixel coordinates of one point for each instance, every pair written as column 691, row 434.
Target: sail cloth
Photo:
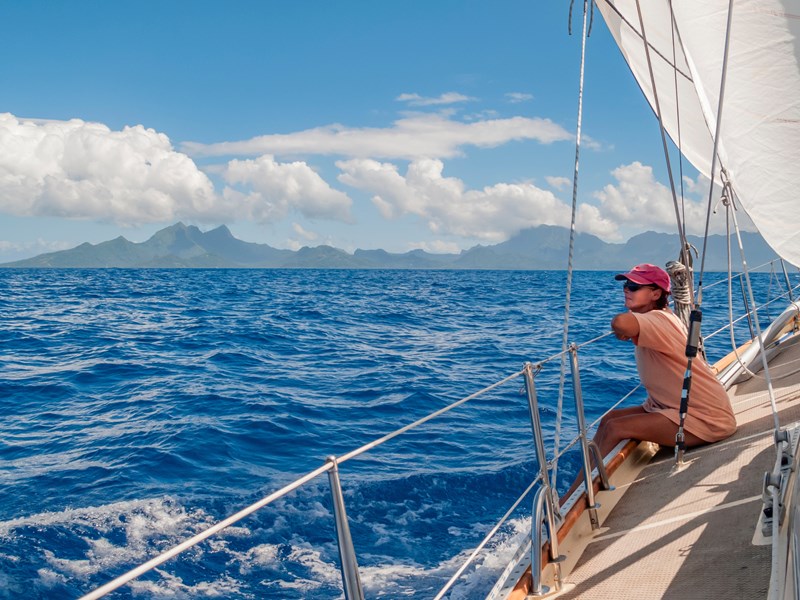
column 759, row 143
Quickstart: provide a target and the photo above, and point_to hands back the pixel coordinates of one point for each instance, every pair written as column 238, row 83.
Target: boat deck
column 690, row 534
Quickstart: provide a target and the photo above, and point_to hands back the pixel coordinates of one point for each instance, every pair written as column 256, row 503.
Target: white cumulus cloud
column 493, row 213
column 83, row 170
column 272, row 190
column 559, row 183
column 637, row 202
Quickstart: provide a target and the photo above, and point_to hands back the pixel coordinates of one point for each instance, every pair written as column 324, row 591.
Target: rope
column 682, row 297
column 716, row 149
column 695, row 318
column 729, row 206
column 728, row 194
column 686, row 256
column 565, row 336
column 696, row 315
column 657, row 106
column 739, row 275
column 538, row 366
column 745, row 316
column 591, row 17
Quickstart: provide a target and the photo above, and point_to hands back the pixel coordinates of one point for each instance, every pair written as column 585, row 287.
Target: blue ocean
column 141, row 406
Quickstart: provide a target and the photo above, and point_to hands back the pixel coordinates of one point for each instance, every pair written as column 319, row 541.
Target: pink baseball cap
column 647, row 274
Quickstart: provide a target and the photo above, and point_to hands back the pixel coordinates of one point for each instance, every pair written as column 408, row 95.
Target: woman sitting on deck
column 660, row 339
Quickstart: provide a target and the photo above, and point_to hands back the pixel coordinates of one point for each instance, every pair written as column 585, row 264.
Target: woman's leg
column 603, row 427
column 637, row 424
column 601, row 435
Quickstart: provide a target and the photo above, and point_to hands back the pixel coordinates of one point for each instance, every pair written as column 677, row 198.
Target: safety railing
column 749, row 311
column 545, row 505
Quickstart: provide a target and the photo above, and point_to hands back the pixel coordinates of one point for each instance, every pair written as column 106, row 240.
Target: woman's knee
column 613, row 430
column 615, row 413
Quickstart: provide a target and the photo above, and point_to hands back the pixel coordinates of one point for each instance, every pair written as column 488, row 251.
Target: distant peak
column 222, row 230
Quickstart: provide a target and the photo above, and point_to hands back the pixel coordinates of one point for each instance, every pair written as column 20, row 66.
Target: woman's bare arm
column 625, row 326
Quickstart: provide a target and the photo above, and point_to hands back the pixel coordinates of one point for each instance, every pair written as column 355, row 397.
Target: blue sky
column 395, row 125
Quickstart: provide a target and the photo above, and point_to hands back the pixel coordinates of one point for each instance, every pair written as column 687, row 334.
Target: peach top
column 661, row 360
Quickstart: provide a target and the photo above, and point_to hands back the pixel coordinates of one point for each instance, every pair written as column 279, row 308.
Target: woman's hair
column 663, row 299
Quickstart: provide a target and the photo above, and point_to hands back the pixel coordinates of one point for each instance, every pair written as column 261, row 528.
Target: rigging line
column 755, row 375
column 425, row 419
column 762, row 353
column 591, row 17
column 657, row 104
column 565, row 336
column 696, row 315
column 680, row 145
column 635, row 32
column 569, row 18
column 785, row 375
column 551, row 358
column 756, row 268
column 716, row 149
column 730, row 284
column 731, row 321
column 748, row 314
column 593, row 340
column 600, row 418
column 772, row 278
column 730, row 278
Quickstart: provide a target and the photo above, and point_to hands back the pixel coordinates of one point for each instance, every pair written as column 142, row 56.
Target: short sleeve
column 661, row 331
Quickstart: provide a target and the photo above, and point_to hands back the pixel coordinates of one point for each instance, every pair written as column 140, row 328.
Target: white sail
column 759, row 143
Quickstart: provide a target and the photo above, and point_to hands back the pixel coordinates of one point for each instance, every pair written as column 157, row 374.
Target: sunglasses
column 635, row 287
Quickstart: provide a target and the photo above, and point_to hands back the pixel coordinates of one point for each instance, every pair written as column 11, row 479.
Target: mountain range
column 544, row 247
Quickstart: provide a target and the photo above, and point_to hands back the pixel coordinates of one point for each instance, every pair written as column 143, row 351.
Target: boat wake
column 95, row 542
